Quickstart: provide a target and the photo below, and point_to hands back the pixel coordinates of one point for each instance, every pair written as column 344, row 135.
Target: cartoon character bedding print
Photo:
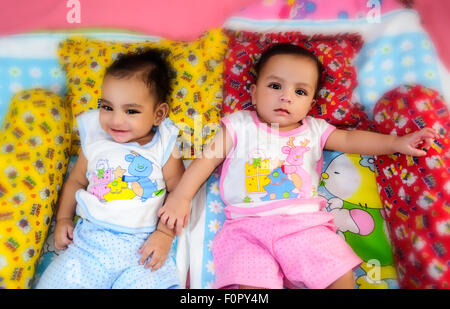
column 349, row 185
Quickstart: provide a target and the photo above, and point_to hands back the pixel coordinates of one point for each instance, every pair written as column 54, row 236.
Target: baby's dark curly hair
column 152, row 65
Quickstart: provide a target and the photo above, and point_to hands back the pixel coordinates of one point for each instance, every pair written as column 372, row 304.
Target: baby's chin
column 121, row 140
column 282, row 123
column 120, row 137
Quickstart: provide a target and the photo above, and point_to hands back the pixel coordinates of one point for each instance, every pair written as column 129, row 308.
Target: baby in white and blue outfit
column 126, row 177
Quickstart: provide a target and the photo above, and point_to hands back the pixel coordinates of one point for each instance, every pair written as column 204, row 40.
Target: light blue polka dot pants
column 102, row 259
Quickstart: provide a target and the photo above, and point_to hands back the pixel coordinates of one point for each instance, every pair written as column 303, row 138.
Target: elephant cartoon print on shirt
column 140, row 169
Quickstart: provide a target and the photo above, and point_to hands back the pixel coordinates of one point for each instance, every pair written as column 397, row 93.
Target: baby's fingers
column 164, row 218
column 145, row 252
column 161, row 211
column 418, row 153
column 170, row 223
column 70, row 233
column 158, row 265
column 179, row 226
column 427, row 135
column 155, row 261
column 61, row 244
column 428, row 142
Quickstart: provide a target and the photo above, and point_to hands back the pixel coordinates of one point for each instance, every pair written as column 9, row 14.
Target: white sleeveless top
column 270, row 172
column 126, row 184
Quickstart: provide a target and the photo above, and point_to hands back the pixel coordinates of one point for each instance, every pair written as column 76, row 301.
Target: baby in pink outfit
column 275, row 229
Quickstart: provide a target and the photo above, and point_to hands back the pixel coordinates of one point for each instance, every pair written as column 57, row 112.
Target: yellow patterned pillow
column 34, row 153
column 195, row 102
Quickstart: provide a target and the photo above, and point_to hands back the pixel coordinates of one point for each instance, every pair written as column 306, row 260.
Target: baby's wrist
column 395, row 143
column 165, row 233
column 64, row 219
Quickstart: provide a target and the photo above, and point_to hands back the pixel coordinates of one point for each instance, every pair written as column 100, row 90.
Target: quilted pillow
column 415, row 191
column 336, row 53
column 196, row 99
column 34, row 152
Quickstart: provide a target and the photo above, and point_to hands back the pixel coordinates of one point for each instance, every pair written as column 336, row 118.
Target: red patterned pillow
column 339, row 77
column 416, row 190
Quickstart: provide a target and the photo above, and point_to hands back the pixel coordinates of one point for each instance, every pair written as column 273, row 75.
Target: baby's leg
column 139, row 277
column 242, row 255
column 72, row 269
column 75, row 267
column 347, row 281
column 316, row 257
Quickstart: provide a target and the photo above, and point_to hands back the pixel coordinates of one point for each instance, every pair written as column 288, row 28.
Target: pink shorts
column 302, row 250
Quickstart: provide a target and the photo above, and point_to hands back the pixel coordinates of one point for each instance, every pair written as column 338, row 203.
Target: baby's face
column 127, row 109
column 285, row 89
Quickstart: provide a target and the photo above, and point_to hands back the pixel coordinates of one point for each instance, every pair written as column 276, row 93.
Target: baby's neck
column 144, row 139
column 290, row 127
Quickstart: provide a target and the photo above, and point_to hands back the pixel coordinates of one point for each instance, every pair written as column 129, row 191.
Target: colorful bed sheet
column 396, row 51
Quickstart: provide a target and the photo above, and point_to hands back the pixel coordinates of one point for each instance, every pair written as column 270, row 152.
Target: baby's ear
column 314, row 101
column 162, row 110
column 252, row 90
column 253, row 93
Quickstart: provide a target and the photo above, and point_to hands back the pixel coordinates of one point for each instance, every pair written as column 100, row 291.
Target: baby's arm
column 67, row 203
column 370, row 143
column 175, row 211
column 173, row 170
column 159, row 242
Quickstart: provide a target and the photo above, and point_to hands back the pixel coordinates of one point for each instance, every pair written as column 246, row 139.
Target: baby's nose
column 285, row 97
column 117, row 118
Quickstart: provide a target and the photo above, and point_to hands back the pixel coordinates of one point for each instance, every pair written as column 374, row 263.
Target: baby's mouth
column 282, row 111
column 118, row 131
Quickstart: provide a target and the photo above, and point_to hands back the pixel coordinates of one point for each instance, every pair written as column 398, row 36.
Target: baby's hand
column 157, row 245
column 175, row 213
column 408, row 144
column 63, row 233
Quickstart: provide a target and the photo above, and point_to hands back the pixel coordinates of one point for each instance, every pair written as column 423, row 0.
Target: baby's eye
column 106, row 107
column 132, row 111
column 275, row 86
column 300, row 92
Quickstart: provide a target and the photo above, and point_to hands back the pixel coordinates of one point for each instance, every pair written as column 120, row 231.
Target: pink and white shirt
column 270, row 172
